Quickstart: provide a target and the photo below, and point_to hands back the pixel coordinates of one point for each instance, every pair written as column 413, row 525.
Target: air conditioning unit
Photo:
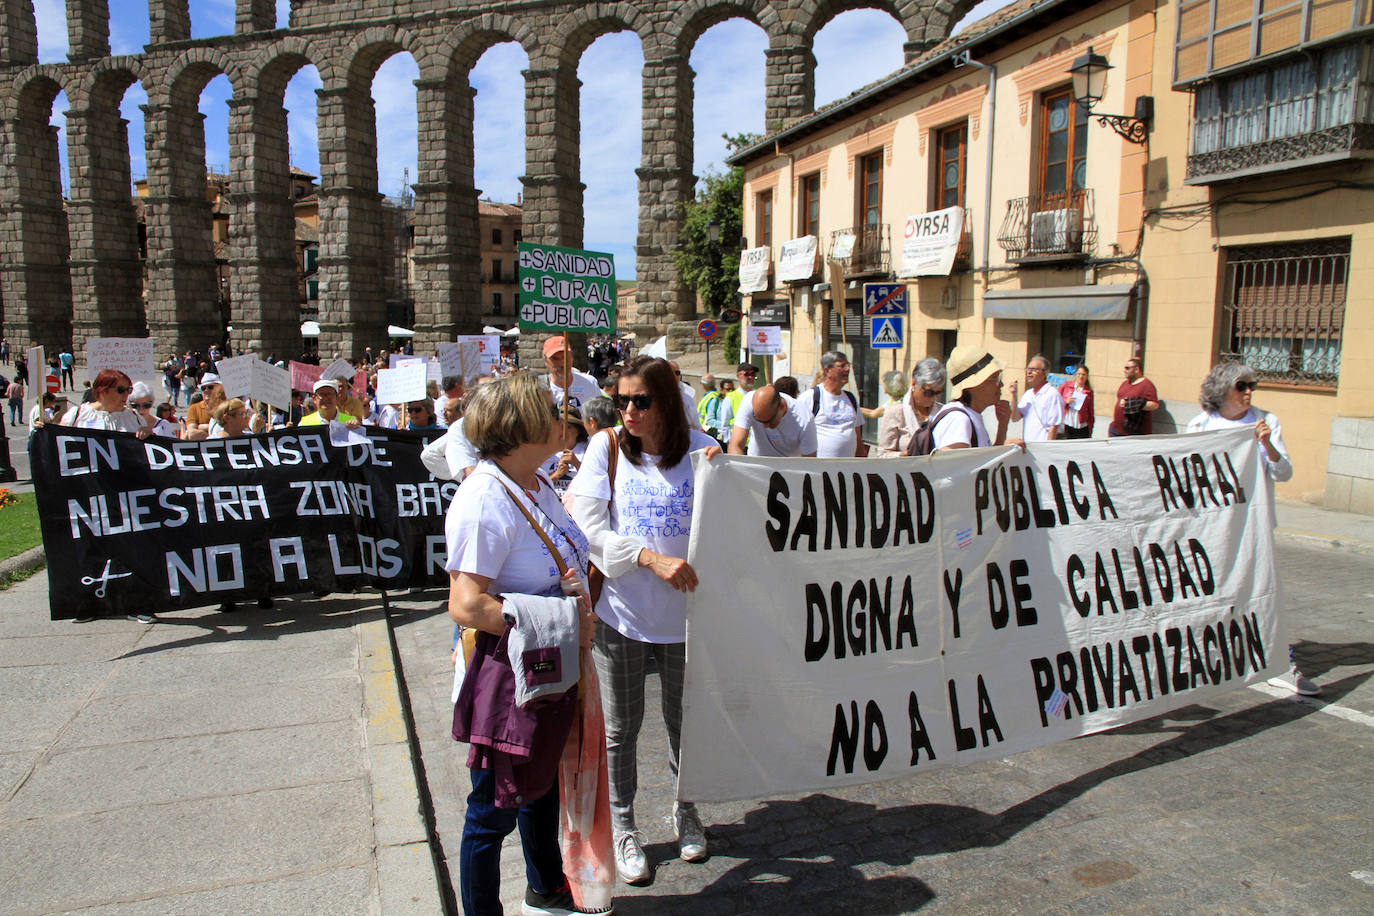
column 1056, row 231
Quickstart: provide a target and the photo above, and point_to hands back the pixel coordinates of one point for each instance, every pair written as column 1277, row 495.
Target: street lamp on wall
column 1089, row 74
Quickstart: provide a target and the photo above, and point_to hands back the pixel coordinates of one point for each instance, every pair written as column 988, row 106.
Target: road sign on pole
column 706, row 329
column 885, row 299
column 886, row 333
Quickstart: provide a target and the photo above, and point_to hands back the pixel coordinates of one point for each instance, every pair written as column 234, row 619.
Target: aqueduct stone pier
column 71, row 269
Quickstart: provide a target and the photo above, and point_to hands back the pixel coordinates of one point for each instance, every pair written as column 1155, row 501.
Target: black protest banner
column 134, row 526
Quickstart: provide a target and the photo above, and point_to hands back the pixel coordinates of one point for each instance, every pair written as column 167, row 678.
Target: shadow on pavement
column 808, row 855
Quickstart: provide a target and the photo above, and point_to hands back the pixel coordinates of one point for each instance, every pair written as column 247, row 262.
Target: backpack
column 923, row 440
column 816, row 401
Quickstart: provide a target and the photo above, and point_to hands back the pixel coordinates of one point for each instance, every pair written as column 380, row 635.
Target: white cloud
column 499, row 121
column 51, row 18
column 393, row 92
column 611, row 130
column 728, row 92
column 855, row 49
column 301, row 125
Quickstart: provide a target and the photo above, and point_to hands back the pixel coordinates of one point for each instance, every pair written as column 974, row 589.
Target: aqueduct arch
column 68, row 271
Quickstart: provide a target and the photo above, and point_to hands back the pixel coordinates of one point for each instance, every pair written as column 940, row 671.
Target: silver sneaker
column 1295, row 681
column 691, row 836
column 630, row 861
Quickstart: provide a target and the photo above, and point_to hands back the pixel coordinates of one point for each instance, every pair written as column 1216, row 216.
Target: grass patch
column 19, row 526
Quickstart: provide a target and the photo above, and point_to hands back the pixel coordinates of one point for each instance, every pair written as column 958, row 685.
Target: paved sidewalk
column 211, row 763
column 1258, row 802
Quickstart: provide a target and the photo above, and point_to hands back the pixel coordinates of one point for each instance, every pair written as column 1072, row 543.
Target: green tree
column 711, row 269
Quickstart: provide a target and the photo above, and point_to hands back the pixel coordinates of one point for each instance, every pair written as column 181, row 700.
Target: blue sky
column 855, row 48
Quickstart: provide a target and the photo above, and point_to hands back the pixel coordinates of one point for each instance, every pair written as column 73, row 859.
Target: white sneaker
column 691, row 836
column 1295, row 681
column 630, row 861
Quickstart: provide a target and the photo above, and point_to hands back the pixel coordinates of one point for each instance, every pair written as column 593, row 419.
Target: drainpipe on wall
column 963, row 58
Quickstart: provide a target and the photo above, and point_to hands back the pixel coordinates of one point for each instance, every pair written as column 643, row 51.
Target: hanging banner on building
column 566, row 289
column 753, row 269
column 930, row 612
column 797, row 260
column 765, row 340
column 131, row 355
column 143, row 527
column 842, row 246
column 931, row 242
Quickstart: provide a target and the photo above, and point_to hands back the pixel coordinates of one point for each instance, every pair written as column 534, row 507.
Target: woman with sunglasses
column 421, row 415
column 109, row 408
column 1225, row 400
column 639, row 528
column 922, row 401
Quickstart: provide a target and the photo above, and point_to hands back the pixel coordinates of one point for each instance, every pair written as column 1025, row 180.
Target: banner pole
column 567, row 375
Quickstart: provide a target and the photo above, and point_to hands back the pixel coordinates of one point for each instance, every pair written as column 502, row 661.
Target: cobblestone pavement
column 1258, row 802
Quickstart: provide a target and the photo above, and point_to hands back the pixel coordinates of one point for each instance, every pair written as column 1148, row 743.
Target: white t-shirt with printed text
column 652, row 505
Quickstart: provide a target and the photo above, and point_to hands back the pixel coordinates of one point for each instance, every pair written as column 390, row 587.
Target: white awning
column 397, row 331
column 310, row 329
column 1106, row 302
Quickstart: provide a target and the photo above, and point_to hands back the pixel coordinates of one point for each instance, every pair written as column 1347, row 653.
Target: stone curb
column 405, row 865
column 32, row 558
column 1325, row 540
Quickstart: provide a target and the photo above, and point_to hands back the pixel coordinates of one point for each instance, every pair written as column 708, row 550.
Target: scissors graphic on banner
column 104, row 579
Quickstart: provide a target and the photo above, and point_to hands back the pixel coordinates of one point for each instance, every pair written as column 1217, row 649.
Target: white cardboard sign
column 131, row 355
column 402, row 384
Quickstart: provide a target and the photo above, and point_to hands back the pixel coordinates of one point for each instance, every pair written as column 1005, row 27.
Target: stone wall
column 69, row 271
column 1350, row 465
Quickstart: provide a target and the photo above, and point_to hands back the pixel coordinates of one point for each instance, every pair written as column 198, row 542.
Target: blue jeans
column 479, row 856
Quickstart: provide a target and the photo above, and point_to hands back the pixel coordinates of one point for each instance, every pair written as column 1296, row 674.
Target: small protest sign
column 271, row 384
column 236, row 375
column 340, row 367
column 765, row 340
column 566, row 289
column 131, row 355
column 304, row 376
column 489, row 350
column 404, row 383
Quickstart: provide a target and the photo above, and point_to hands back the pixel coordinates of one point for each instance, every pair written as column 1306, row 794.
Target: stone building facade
column 69, row 270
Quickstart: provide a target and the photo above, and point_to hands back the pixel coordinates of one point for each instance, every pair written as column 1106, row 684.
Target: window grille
column 1285, row 309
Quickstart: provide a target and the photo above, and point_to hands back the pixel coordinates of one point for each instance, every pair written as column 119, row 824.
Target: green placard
column 565, row 289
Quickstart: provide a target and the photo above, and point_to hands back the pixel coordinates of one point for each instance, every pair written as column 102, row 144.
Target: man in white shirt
column 773, row 427
column 1041, row 408
column 453, row 389
column 839, row 424
column 582, row 387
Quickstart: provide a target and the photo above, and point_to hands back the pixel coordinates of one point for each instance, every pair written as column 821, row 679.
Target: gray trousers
column 620, row 667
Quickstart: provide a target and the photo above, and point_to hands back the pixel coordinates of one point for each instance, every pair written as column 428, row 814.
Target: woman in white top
column 1225, row 401
column 110, row 408
column 639, row 532
column 975, row 379
column 494, row 550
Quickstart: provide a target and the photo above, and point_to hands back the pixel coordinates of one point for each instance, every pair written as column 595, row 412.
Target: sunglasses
column 142, row 405
column 416, row 410
column 641, row 401
column 121, row 389
column 1243, row 387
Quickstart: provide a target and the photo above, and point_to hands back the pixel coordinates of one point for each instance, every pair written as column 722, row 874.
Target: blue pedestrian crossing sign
column 885, row 299
column 886, row 333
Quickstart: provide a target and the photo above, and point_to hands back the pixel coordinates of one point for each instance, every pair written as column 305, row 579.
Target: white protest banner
column 236, row 375
column 270, row 384
column 797, row 260
column 340, row 368
column 753, row 269
column 433, row 371
column 765, row 340
column 131, row 355
column 404, row 383
column 843, row 246
column 489, row 349
column 931, row 242
column 929, row 612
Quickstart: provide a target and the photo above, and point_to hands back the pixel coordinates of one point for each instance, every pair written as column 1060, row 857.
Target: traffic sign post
column 886, row 332
column 885, row 299
column 706, row 329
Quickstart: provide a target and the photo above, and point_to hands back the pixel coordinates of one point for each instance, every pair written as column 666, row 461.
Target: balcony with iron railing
column 1309, row 110
column 1049, row 227
column 862, row 251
